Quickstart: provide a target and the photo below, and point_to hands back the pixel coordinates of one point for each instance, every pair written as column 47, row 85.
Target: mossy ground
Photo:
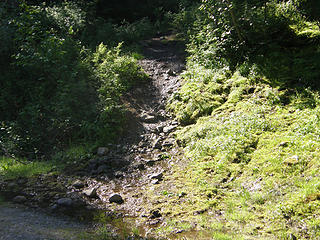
column 252, row 168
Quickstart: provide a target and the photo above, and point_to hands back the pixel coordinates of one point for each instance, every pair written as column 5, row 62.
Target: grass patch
column 13, row 168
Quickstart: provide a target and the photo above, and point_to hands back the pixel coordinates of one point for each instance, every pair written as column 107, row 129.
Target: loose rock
column 155, row 214
column 149, row 118
column 168, row 143
column 141, row 166
column 78, row 184
column 284, row 144
column 157, row 144
column 157, row 176
column 150, row 162
column 169, row 129
column 155, row 181
column 91, row 192
column 159, row 128
column 170, row 72
column 182, row 194
column 291, row 160
column 116, row 198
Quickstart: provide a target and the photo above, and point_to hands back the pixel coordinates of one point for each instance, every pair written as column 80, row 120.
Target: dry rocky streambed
column 116, row 186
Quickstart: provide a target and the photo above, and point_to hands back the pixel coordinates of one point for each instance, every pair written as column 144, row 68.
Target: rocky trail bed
column 115, row 185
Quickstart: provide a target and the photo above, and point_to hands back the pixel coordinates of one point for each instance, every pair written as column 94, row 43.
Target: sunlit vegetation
column 20, row 168
column 250, row 106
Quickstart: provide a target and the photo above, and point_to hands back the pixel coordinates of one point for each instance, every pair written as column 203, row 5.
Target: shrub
column 54, row 91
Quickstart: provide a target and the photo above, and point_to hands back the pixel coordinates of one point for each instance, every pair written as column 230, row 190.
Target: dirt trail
column 21, row 223
column 139, row 161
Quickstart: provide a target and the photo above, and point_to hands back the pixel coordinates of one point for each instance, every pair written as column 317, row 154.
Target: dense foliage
column 54, row 89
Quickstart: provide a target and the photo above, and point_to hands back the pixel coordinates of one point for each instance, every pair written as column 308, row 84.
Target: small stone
column 19, row 199
column 157, row 144
column 170, row 72
column 155, row 181
column 150, row 163
column 157, row 176
column 78, row 184
column 175, row 123
column 168, row 143
column 159, row 128
column 116, row 198
column 102, row 151
column 91, row 192
column 155, row 214
column 169, row 129
column 149, row 118
column 292, row 237
column 66, row 202
column 118, row 174
column 141, row 166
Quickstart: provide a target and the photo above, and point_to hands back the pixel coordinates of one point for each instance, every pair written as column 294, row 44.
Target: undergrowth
column 64, row 72
column 251, row 129
column 20, row 168
column 253, row 161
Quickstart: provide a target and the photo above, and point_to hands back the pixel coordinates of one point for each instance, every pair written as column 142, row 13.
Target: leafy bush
column 114, row 74
column 53, row 90
column 67, row 17
column 111, row 34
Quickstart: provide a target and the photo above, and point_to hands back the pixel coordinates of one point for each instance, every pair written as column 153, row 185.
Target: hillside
column 196, row 120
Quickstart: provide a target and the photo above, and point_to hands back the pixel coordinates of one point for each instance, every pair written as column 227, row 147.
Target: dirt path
column 21, row 223
column 116, row 183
